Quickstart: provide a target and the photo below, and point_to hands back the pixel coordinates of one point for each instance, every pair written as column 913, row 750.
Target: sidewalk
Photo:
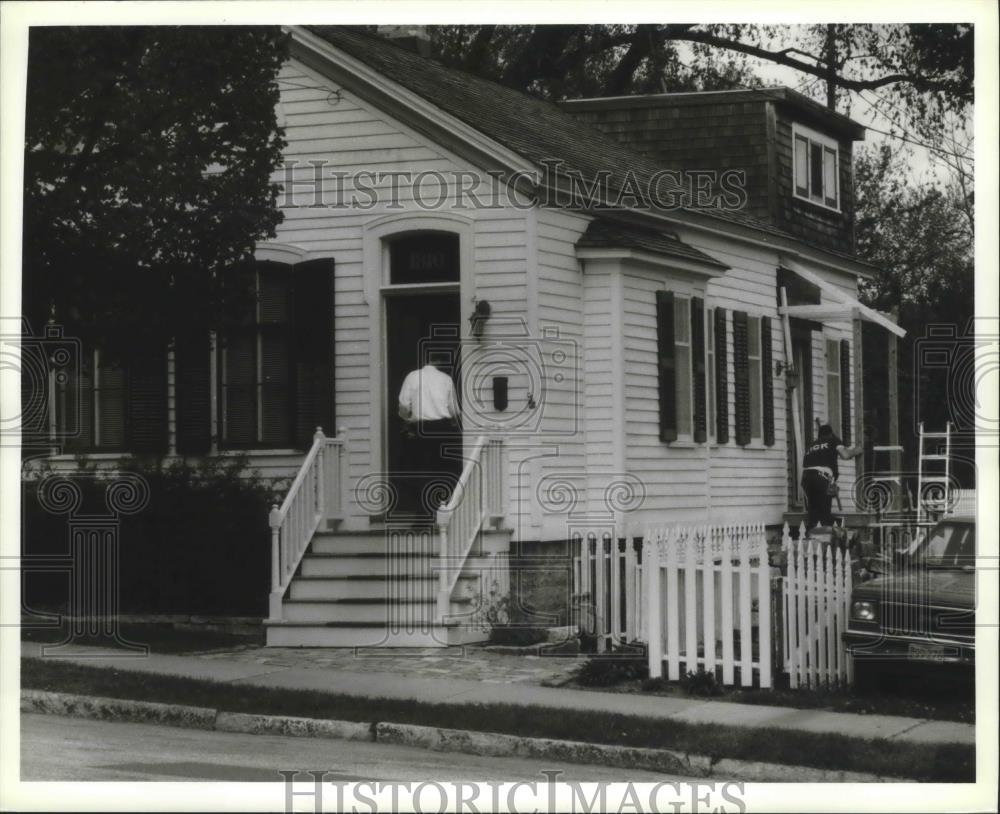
column 343, row 672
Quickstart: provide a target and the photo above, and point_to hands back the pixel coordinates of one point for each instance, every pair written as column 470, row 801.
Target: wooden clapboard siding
column 352, row 136
column 560, row 307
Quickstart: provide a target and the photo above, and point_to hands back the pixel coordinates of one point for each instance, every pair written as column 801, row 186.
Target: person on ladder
column 820, row 473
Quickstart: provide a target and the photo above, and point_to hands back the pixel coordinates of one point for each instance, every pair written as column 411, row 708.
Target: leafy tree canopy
column 148, row 156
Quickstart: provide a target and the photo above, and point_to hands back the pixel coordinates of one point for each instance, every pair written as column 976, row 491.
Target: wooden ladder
column 933, row 484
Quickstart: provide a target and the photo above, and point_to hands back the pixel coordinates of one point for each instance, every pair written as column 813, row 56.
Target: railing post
column 274, row 521
column 443, row 598
column 320, row 495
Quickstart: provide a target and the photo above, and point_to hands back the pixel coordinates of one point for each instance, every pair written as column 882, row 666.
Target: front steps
column 376, row 588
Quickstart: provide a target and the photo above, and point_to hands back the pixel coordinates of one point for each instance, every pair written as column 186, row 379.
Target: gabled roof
column 534, row 129
column 602, row 233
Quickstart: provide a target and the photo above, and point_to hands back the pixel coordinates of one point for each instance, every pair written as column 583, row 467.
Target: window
column 255, row 362
column 754, row 382
column 117, row 401
column 681, row 356
column 720, row 379
column 816, row 167
column 753, row 365
column 275, row 365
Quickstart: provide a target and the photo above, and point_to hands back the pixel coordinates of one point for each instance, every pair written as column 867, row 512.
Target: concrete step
column 399, row 614
column 375, row 565
column 384, row 542
column 372, row 587
column 306, row 634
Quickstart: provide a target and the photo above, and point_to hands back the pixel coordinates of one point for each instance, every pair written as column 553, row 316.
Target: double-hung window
column 816, row 166
column 754, row 384
column 680, row 322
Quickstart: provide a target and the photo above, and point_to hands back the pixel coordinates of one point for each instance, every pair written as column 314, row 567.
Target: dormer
column 796, row 154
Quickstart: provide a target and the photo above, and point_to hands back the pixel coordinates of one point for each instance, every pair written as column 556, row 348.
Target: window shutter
column 767, row 381
column 667, row 364
column 698, row 368
column 741, row 365
column 239, row 387
column 275, row 362
column 801, row 166
column 845, row 391
column 721, row 378
column 79, row 414
column 147, row 399
column 312, row 350
column 193, row 393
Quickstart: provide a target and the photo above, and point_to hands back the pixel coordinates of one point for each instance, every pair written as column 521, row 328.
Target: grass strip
column 925, row 762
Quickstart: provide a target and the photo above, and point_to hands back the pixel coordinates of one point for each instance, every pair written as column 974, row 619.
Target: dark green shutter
column 741, row 366
column 667, row 364
column 193, row 392
column 721, row 378
column 845, row 391
column 767, row 381
column 147, row 399
column 237, row 360
column 312, row 350
column 698, row 369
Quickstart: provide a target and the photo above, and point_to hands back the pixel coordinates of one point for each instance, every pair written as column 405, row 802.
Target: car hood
column 935, row 587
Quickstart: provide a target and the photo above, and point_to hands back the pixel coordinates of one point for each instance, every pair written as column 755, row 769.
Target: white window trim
column 825, row 141
column 833, row 400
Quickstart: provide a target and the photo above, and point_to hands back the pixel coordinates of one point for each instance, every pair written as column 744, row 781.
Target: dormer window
column 816, row 172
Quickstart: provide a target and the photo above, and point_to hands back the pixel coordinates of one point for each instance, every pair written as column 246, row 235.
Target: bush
column 514, row 636
column 200, row 546
column 622, row 663
column 701, row 683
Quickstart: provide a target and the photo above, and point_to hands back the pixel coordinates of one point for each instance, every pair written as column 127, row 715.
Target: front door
column 421, row 327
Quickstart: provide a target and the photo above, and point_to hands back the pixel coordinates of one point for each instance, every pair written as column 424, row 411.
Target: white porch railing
column 316, row 495
column 476, row 502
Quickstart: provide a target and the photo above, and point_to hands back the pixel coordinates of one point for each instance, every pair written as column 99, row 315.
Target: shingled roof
column 602, row 233
column 533, row 128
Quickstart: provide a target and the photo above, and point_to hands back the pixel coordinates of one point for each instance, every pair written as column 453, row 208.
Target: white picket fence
column 607, row 587
column 816, row 599
column 706, row 590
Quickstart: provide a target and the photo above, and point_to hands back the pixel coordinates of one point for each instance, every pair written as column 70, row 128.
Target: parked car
column 922, row 608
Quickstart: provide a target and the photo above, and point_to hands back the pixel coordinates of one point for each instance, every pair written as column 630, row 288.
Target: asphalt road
column 78, row 749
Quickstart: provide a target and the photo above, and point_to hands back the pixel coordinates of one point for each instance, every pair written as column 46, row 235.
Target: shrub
column 701, row 683
column 200, row 546
column 622, row 663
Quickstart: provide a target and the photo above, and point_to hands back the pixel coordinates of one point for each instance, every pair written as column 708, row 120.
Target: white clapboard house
column 619, row 363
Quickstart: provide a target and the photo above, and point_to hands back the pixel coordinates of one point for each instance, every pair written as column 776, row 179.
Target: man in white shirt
column 427, row 395
column 428, row 405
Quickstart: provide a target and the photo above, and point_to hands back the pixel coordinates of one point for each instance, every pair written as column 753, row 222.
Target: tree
column 918, row 77
column 920, row 241
column 148, row 156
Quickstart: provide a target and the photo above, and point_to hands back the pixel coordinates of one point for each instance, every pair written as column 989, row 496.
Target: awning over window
column 802, row 302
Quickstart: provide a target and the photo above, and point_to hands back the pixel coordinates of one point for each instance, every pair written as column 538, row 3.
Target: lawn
column 931, row 763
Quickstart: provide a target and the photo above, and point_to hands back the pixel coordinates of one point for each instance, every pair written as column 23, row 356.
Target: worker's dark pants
column 819, row 501
column 429, row 476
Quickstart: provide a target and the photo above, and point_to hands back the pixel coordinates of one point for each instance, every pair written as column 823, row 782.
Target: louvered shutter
column 193, row 392
column 79, row 414
column 845, row 391
column 312, row 349
column 238, row 361
column 147, row 398
column 741, row 383
column 767, row 381
column 111, row 402
column 667, row 364
column 698, row 368
column 721, row 378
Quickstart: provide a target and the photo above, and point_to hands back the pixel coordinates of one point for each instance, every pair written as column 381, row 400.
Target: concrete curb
column 293, row 727
column 116, row 709
column 489, row 744
column 495, row 744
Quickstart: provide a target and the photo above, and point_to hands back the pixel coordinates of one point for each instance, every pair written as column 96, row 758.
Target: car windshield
column 949, row 545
